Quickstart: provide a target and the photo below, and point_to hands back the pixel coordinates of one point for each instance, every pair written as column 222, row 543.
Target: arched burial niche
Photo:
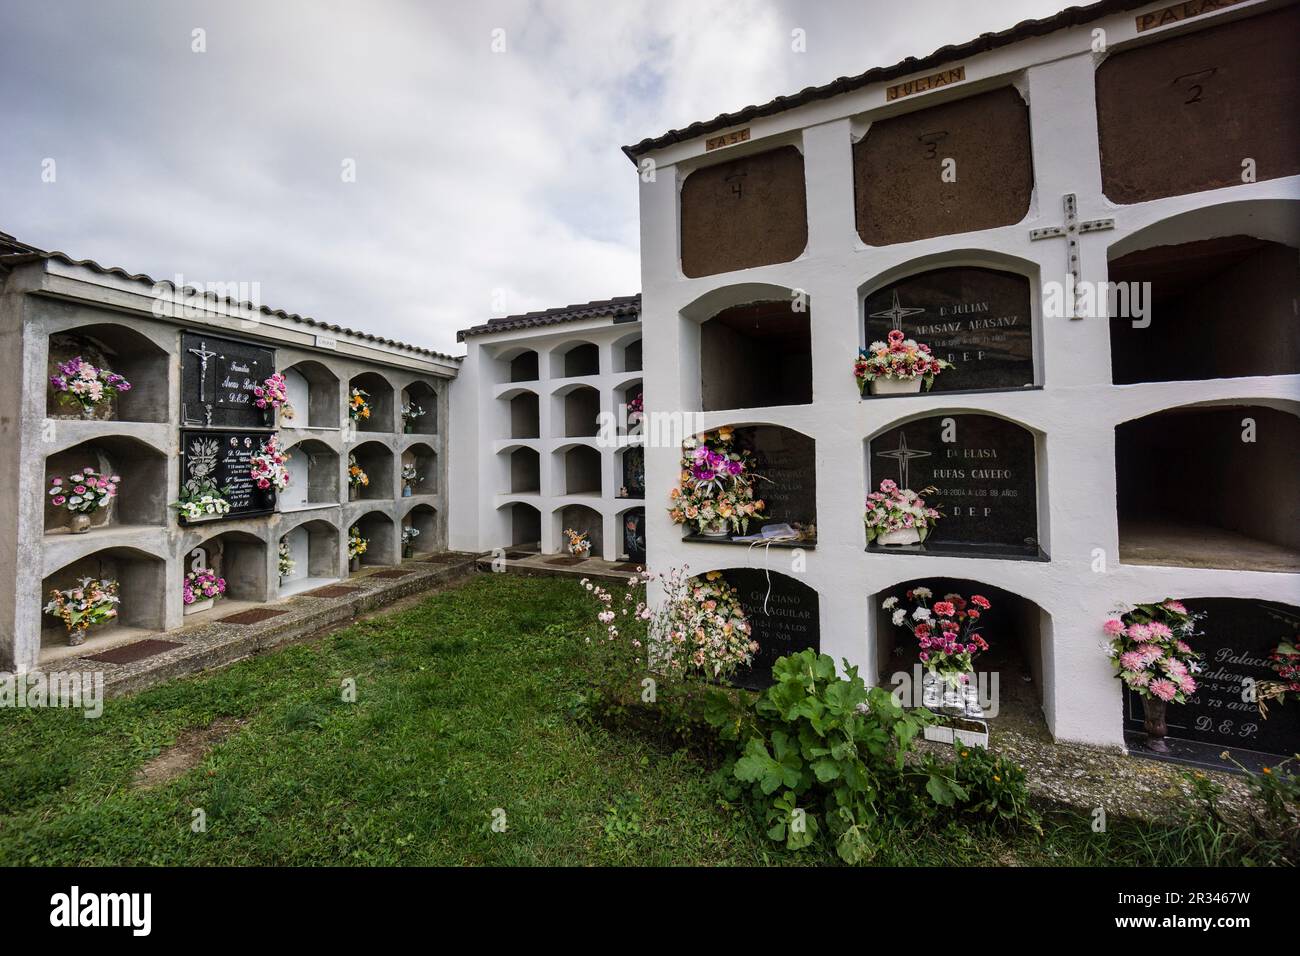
column 525, row 415
column 1216, row 308
column 1210, row 486
column 381, row 538
column 524, row 526
column 756, row 355
column 979, row 319
column 142, row 493
column 1235, row 639
column 420, row 409
column 1212, row 99
column 521, row 367
column 1019, row 655
column 627, row 355
column 239, row 558
column 379, row 396
column 580, row 411
column 582, row 470
column 576, row 360
column 783, row 615
column 313, row 476
column 376, row 460
column 581, row 519
column 900, row 190
column 314, row 549
column 423, row 459
column 525, row 472
column 750, row 211
column 142, row 598
column 631, row 468
column 124, row 351
column 630, row 527
column 984, row 471
column 313, row 391
column 421, row 519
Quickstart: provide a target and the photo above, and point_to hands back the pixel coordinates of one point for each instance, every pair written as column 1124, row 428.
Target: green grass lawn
column 464, row 705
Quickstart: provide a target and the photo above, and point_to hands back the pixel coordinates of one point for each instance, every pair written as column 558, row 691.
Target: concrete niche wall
column 121, row 350
column 899, row 190
column 751, row 211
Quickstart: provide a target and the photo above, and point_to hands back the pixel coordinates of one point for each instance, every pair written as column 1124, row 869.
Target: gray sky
column 481, row 177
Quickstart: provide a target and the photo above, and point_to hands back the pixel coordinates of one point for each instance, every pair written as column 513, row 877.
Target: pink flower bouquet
column 268, row 466
column 1148, row 647
column 79, row 382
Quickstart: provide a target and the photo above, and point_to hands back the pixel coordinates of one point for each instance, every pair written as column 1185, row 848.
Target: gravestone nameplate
column 217, row 380
column 985, row 474
column 783, row 616
column 634, row 471
column 785, row 461
column 634, row 535
column 1238, row 637
column 224, row 459
column 980, row 320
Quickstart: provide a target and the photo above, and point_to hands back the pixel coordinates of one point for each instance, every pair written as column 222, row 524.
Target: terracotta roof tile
column 626, row 307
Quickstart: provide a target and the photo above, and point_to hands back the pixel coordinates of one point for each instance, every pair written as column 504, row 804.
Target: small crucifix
column 1071, row 231
column 895, row 312
column 904, row 455
column 203, row 354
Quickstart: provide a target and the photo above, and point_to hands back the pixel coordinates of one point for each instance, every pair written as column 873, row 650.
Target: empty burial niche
column 420, row 409
column 584, row 520
column 314, row 549
column 1219, row 308
column 313, row 476
column 122, row 351
column 579, row 360
column 901, row 192
column 423, row 519
column 141, row 591
column 630, row 356
column 313, row 391
column 236, row 556
column 525, row 524
column 422, row 459
column 376, row 460
column 525, row 472
column 141, row 497
column 756, row 356
column 580, row 407
column 1210, row 487
column 379, row 396
column 582, row 467
column 378, row 530
column 525, row 416
column 524, row 367
column 1215, row 104
column 1018, row 633
column 751, row 211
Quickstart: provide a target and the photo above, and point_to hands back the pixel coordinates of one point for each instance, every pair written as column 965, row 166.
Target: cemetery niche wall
column 1238, row 635
column 756, row 355
column 1219, row 308
column 112, row 348
column 746, row 212
column 985, row 474
column 978, row 319
column 218, row 376
column 900, row 191
column 783, row 615
column 1183, row 114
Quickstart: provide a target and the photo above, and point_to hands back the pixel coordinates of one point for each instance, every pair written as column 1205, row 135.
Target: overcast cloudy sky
column 478, row 173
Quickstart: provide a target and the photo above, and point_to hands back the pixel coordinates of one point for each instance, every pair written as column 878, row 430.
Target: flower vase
column 901, row 536
column 354, row 564
column 352, row 492
column 931, row 694
column 971, row 698
column 197, row 606
column 894, row 386
column 1154, row 724
column 406, row 491
column 88, row 412
column 716, row 529
column 407, row 551
column 79, row 522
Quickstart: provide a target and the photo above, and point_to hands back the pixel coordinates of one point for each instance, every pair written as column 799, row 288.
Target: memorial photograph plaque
column 978, row 319
column 783, row 615
column 217, row 380
column 224, row 459
column 985, row 475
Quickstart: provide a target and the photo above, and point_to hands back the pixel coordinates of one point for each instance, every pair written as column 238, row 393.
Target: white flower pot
column 901, row 536
column 197, row 606
column 894, row 386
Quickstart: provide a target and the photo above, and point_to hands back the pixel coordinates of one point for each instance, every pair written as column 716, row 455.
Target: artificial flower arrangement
column 898, row 365
column 83, row 493
column 358, row 407
column 285, row 562
column 201, row 586
column 579, row 544
column 410, row 478
column 635, row 408
column 274, row 393
column 356, row 477
column 1148, row 647
column 268, row 466
column 1285, row 661
column 356, row 544
column 410, row 412
column 947, row 632
column 716, row 494
column 899, row 515
column 202, row 501
column 91, row 602
column 78, row 382
column 409, row 535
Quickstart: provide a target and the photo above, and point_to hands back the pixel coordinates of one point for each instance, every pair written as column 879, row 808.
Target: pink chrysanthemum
column 1163, row 689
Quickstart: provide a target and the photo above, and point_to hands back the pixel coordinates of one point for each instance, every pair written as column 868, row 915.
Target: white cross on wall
column 1071, row 231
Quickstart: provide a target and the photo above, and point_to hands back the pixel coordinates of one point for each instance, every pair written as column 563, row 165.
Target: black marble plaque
column 1239, row 636
column 218, row 376
column 785, row 461
column 634, row 471
column 783, row 615
column 223, row 458
column 984, row 471
column 633, row 535
column 980, row 320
